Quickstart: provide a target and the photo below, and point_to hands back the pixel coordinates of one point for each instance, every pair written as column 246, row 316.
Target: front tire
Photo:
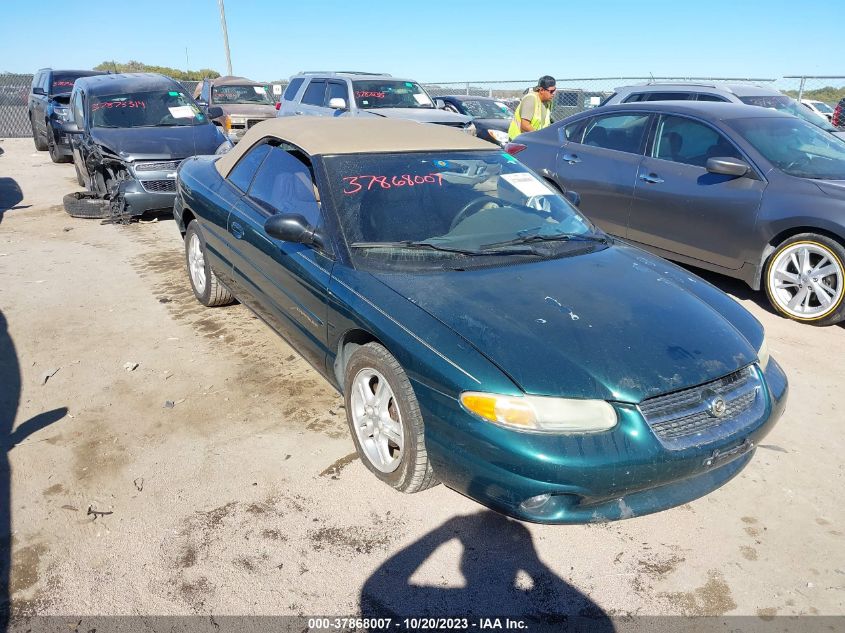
column 40, row 143
column 55, row 154
column 385, row 421
column 207, row 288
column 805, row 279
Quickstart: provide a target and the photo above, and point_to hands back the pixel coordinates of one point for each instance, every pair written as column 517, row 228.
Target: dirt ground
column 218, row 476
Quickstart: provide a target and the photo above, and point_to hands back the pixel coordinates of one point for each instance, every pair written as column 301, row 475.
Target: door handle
column 237, row 230
column 571, row 158
column 299, row 112
column 652, row 178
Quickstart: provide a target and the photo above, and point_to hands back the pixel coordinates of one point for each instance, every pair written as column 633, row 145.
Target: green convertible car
column 483, row 333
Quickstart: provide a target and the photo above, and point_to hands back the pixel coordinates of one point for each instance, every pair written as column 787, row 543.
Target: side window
column 283, row 184
column 668, row 96
column 292, row 89
column 337, row 89
column 78, row 110
column 690, row 142
column 204, row 94
column 242, row 174
column 621, row 132
column 314, row 93
column 575, row 131
column 45, row 82
column 36, row 81
column 705, row 97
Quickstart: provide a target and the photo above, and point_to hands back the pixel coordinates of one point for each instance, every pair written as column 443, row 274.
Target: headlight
column 541, row 414
column 224, row 147
column 470, row 129
column 62, row 114
column 497, row 135
column 763, row 354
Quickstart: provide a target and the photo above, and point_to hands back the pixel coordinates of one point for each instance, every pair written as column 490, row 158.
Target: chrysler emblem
column 717, row 407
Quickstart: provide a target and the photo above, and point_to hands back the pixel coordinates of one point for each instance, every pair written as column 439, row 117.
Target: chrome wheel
column 196, row 263
column 806, row 280
column 376, row 420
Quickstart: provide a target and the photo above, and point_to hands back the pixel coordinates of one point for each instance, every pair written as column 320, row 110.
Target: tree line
column 133, row 66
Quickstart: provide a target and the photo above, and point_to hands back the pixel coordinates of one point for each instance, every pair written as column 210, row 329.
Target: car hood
column 247, row 110
column 835, row 188
column 423, row 115
column 615, row 324
column 159, row 142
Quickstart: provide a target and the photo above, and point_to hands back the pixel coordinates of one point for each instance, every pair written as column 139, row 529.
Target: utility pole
column 225, row 37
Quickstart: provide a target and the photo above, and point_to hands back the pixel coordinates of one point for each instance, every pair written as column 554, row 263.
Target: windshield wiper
column 558, row 237
column 435, row 247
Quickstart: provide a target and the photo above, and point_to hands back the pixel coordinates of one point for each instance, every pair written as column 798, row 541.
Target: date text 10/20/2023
column 416, row 624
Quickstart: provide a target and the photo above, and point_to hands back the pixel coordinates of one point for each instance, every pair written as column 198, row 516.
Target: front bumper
column 149, row 190
column 618, row 474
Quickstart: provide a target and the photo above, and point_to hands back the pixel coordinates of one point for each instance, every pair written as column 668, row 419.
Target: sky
column 430, row 41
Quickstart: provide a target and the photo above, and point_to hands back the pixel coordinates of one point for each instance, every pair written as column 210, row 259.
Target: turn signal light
column 515, row 148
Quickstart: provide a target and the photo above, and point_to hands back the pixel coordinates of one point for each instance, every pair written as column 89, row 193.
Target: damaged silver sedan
column 129, row 134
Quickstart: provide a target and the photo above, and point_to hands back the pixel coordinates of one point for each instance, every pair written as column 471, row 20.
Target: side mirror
column 440, row 104
column 71, row 127
column 727, row 166
column 573, row 197
column 337, row 103
column 39, row 91
column 214, row 112
column 292, row 227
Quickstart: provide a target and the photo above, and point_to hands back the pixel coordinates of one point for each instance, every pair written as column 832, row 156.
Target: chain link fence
column 572, row 96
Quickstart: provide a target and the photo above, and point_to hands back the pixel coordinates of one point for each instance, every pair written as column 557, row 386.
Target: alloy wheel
column 377, row 421
column 196, row 263
column 806, row 280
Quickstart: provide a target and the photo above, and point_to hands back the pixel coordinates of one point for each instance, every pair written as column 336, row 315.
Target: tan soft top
column 348, row 135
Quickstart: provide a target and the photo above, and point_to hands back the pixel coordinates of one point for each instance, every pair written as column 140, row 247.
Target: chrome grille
column 688, row 417
column 168, row 165
column 159, row 186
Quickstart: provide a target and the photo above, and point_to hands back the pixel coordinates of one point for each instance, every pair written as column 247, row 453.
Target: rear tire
column 83, row 204
column 385, row 420
column 207, row 288
column 805, row 279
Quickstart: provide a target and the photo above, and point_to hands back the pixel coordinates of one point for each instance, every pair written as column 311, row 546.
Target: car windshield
column 386, row 93
column 431, row 209
column 796, row 147
column 158, row 108
column 486, row 109
column 821, row 106
column 222, row 95
column 62, row 83
column 782, row 103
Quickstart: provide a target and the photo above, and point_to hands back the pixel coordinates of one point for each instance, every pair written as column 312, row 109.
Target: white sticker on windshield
column 422, row 99
column 258, row 89
column 182, row 112
column 527, row 184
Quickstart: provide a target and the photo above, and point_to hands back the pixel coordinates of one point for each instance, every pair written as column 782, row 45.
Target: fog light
column 533, row 504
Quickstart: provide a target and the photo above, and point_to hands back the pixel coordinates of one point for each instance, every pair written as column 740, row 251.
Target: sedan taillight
column 514, row 148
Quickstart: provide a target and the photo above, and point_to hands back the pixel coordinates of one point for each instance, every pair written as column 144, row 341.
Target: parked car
column 48, row 109
column 838, row 118
column 751, row 193
column 130, row 132
column 359, row 94
column 491, row 117
column 748, row 94
column 483, row 333
column 818, row 107
column 242, row 102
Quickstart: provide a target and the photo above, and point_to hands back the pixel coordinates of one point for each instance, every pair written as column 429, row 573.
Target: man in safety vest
column 534, row 111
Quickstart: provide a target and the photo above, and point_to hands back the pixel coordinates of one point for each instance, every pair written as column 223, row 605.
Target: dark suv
column 48, row 109
column 838, row 118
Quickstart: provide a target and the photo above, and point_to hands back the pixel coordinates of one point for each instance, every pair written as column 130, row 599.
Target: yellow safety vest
column 540, row 119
